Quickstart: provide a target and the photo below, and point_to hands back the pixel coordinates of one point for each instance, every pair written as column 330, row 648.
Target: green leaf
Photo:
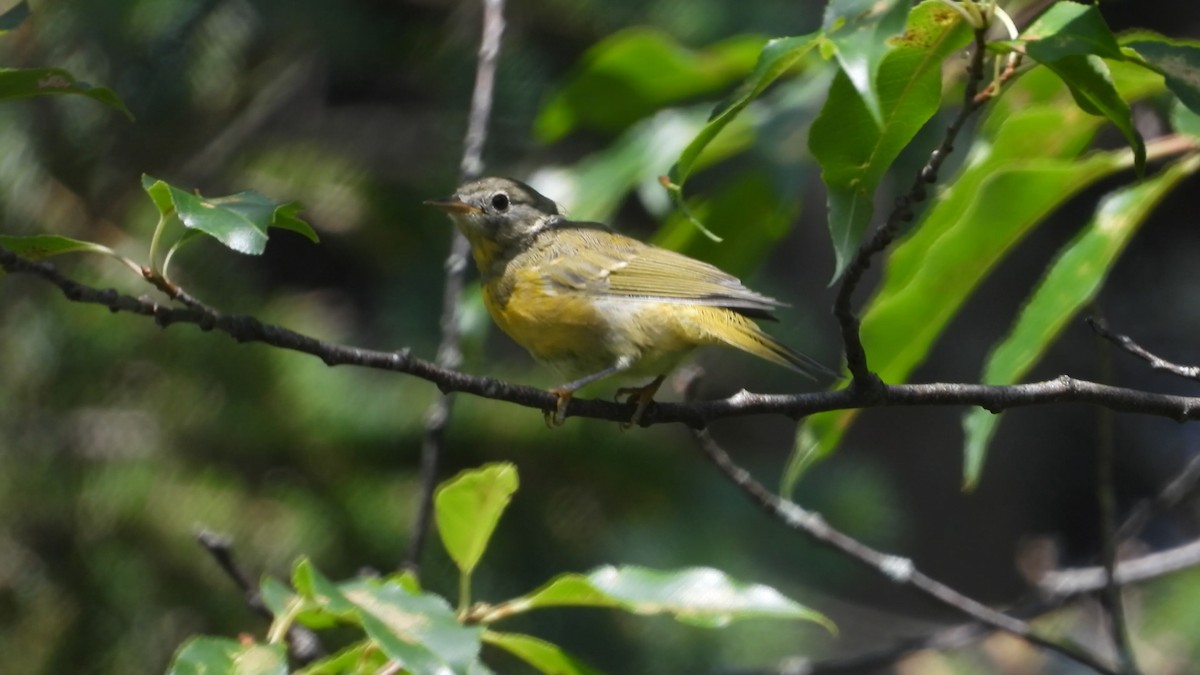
column 1071, row 29
column 778, row 57
column 1033, row 129
column 314, row 586
column 1179, row 63
column 14, row 17
column 418, row 629
column 238, row 221
column 750, row 197
column 276, row 595
column 632, row 73
column 1072, row 281
column 469, row 506
column 859, row 31
column 1184, row 120
column 855, row 149
column 39, row 246
column 28, row 82
column 213, row 656
column 1092, row 87
column 544, row 656
column 700, row 596
column 361, row 658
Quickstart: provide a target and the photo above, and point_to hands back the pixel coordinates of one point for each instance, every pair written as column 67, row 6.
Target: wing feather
column 605, row 263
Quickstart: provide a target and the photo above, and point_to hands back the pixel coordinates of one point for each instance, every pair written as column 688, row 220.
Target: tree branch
column 902, row 212
column 1156, row 362
column 303, row 644
column 449, row 355
column 897, row 569
column 995, row 398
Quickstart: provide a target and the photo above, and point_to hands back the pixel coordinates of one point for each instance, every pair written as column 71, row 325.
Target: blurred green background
column 119, row 439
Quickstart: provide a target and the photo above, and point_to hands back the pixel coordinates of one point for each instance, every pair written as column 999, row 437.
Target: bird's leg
column 643, row 395
column 566, row 391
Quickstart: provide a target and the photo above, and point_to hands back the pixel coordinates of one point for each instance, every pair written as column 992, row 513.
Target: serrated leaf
column 614, row 87
column 469, row 506
column 545, row 657
column 17, row 83
column 1071, row 29
column 700, row 596
column 14, row 17
column 1179, row 63
column 859, row 31
column 854, row 148
column 421, row 631
column 1071, row 282
column 213, row 656
column 239, row 221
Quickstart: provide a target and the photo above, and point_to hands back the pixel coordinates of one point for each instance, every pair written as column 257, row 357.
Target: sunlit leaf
column 544, row 656
column 700, row 596
column 27, row 82
column 1072, row 281
column 859, row 31
column 855, row 149
column 1071, row 29
column 777, row 57
column 419, row 630
column 239, row 221
column 222, row 656
column 1031, row 133
column 469, row 506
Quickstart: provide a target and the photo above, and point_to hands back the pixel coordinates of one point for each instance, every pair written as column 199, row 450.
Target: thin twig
column 1057, row 588
column 303, row 644
column 449, row 354
column 1110, row 595
column 1156, row 362
column 995, row 398
column 1073, row 582
column 1175, row 492
column 898, row 569
column 902, row 212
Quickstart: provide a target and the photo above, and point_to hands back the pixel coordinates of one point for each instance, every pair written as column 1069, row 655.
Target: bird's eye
column 500, row 201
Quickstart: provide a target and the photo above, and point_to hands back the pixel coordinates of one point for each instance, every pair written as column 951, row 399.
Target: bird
column 593, row 303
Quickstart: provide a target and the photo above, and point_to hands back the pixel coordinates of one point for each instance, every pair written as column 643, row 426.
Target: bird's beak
column 451, row 205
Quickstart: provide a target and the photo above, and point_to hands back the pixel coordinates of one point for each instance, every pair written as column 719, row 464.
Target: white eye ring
column 500, row 201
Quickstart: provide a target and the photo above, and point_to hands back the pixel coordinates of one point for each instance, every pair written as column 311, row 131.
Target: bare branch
column 902, row 212
column 1127, row 343
column 303, row 644
column 449, row 355
column 898, row 569
column 1110, row 595
column 1073, row 582
column 995, row 398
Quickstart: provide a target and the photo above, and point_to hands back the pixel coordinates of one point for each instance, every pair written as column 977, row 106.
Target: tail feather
column 741, row 333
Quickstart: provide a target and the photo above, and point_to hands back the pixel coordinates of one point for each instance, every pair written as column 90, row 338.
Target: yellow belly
column 580, row 334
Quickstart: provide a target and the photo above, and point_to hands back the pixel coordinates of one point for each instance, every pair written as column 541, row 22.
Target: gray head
column 498, row 214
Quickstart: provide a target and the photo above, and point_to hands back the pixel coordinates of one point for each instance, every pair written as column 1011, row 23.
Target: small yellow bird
column 593, row 303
